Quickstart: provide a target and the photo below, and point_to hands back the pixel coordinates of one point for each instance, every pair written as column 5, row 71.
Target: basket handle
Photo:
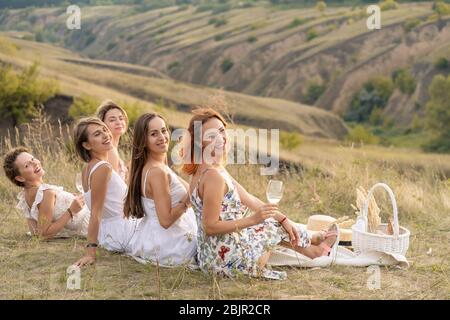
column 394, row 206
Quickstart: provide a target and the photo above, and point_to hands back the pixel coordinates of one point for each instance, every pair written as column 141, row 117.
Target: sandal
column 324, row 234
column 332, row 231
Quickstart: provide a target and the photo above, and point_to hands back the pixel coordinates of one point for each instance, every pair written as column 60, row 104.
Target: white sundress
column 173, row 246
column 77, row 226
column 115, row 231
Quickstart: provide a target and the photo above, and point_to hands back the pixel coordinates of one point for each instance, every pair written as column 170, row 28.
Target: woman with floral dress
column 227, row 242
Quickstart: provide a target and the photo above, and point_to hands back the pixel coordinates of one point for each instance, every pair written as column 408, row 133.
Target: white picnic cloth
column 344, row 257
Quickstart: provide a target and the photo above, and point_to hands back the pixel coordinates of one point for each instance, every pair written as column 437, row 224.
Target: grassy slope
column 37, row 270
column 123, row 82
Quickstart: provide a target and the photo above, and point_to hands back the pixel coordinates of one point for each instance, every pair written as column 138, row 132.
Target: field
column 287, row 67
column 324, row 180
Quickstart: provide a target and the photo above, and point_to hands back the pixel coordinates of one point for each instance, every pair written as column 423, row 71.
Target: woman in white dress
column 50, row 211
column 116, row 119
column 167, row 231
column 104, row 189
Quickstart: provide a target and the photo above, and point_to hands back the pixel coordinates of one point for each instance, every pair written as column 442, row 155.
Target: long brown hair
column 139, row 156
column 202, row 115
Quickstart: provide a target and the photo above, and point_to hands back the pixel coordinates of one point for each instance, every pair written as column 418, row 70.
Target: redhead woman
column 229, row 243
column 167, row 232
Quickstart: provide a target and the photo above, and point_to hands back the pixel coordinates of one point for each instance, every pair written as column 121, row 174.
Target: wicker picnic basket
column 364, row 241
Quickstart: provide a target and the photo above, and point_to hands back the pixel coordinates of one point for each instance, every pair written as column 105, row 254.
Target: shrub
column 21, row 93
column 220, row 22
column 252, row 39
column 441, row 63
column 173, row 65
column 410, row 24
column 296, row 22
column 360, row 134
column 374, row 93
column 441, row 8
column 321, row 6
column 313, row 92
column 376, row 117
column 226, row 65
column 311, row 34
column 404, row 81
column 219, row 37
column 111, row 46
column 83, row 106
column 388, row 5
column 290, row 140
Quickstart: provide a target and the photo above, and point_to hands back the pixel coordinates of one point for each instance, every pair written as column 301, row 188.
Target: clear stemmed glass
column 274, row 191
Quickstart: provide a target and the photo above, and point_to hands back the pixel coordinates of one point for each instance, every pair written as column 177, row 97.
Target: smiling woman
column 168, row 231
column 104, row 191
column 49, row 210
column 116, row 119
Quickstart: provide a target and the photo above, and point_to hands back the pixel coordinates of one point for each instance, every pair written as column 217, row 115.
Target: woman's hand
column 290, row 229
column 84, row 261
column 77, row 204
column 264, row 212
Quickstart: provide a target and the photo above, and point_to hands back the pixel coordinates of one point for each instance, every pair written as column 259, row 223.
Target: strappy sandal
column 324, row 234
column 333, row 231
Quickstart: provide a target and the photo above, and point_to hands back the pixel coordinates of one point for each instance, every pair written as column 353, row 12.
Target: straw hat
column 319, row 222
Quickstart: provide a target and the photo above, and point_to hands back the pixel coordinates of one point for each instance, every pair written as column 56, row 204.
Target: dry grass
column 30, row 269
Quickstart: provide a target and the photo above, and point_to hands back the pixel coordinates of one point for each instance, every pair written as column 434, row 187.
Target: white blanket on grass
column 344, row 257
column 282, row 256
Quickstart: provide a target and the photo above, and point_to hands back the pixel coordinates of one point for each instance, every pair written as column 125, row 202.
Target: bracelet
column 70, row 212
column 92, row 245
column 282, row 220
column 236, row 225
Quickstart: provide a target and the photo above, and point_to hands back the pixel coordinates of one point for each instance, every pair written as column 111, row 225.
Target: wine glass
column 274, row 191
column 79, row 182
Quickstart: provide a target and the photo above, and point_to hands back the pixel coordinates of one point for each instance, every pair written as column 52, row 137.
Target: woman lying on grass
column 229, row 243
column 50, row 211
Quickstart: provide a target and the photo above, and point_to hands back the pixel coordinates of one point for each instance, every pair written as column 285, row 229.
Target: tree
column 441, row 8
column 22, row 93
column 321, row 6
column 388, row 5
column 437, row 115
column 441, row 63
column 404, row 80
column 374, row 93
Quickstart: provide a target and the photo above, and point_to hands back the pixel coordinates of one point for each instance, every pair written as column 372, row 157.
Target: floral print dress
column 238, row 252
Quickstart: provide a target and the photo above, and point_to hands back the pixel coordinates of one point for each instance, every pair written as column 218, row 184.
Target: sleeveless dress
column 123, row 170
column 115, row 231
column 75, row 227
column 238, row 252
column 173, row 246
